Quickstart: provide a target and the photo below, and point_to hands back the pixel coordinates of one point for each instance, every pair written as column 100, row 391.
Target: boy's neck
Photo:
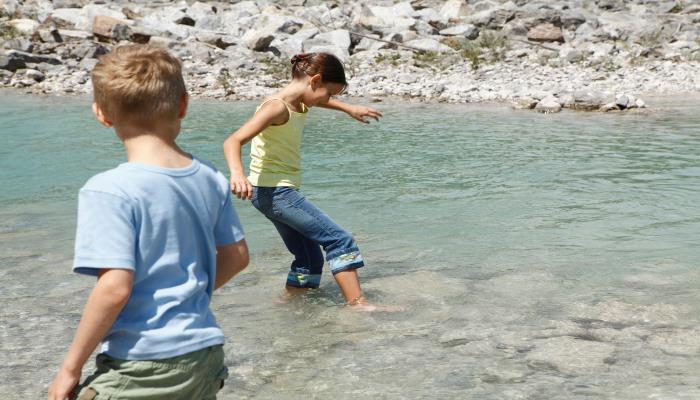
column 154, row 148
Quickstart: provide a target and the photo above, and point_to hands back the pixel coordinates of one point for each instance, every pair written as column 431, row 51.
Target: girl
column 275, row 175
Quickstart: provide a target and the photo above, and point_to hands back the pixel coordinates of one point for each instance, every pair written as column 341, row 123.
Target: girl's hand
column 63, row 385
column 361, row 112
column 241, row 187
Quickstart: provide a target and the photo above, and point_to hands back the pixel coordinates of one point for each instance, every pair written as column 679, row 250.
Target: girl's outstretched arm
column 271, row 113
column 357, row 112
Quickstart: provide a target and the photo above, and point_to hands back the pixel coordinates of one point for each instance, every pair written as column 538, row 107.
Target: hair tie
column 298, row 57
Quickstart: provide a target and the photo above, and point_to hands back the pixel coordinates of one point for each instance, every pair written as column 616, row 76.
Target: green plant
column 9, row 32
column 277, row 67
column 393, row 58
column 471, row 52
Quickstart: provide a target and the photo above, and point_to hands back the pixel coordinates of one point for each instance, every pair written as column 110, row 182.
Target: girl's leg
column 305, row 271
column 293, row 210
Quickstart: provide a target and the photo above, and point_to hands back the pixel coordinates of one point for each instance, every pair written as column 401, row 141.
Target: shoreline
column 653, row 98
column 544, row 56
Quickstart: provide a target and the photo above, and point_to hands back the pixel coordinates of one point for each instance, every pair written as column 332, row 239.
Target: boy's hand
column 241, row 187
column 63, row 385
column 361, row 112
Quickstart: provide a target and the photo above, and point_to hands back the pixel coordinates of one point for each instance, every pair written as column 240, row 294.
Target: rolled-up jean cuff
column 301, row 280
column 348, row 261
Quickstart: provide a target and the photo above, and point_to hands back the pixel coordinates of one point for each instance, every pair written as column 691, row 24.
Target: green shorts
column 196, row 375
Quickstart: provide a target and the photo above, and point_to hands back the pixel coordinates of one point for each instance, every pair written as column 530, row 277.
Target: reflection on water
column 539, row 256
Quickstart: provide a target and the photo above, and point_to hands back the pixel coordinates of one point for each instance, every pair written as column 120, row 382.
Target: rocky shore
column 585, row 55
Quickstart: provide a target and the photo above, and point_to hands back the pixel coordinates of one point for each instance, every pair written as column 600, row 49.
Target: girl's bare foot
column 289, row 293
column 362, row 304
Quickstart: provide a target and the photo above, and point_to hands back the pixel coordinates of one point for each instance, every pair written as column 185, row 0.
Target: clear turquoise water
column 538, row 256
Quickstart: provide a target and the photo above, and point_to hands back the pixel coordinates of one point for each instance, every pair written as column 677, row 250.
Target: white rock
column 548, row 105
column 90, row 11
column 335, row 42
column 23, row 25
column 610, row 107
column 467, row 30
column 429, row 45
column 454, row 9
column 70, row 17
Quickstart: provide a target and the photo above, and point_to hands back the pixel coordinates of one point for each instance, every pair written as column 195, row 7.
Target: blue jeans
column 305, row 229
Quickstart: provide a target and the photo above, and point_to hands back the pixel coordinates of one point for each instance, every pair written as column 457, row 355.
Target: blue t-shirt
column 164, row 224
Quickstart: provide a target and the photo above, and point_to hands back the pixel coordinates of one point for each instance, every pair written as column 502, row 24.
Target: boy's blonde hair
column 139, row 83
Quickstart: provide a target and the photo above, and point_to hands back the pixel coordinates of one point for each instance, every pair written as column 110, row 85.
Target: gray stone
column 9, row 7
column 24, row 26
column 392, row 18
column 429, row 45
column 624, row 101
column 572, row 19
column 163, row 42
column 199, row 10
column 111, row 28
column 20, row 43
column 469, row 31
column 335, row 42
column 294, row 44
column 33, row 58
column 407, row 78
column 88, row 64
column 586, row 101
column 90, row 11
column 71, row 34
column 34, row 74
column 258, row 40
column 609, row 107
column 524, row 103
column 492, row 19
column 454, row 9
column 10, row 63
column 68, row 17
column 142, row 34
column 546, row 33
column 548, row 105
column 210, row 23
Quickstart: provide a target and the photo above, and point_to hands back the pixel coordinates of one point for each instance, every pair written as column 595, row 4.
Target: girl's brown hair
column 327, row 65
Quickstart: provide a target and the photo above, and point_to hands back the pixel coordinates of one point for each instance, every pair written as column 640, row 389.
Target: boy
column 160, row 233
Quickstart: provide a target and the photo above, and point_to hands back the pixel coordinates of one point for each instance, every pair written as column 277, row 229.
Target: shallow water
column 538, row 256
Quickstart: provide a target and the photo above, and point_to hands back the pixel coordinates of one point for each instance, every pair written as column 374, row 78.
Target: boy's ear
column 100, row 115
column 183, row 106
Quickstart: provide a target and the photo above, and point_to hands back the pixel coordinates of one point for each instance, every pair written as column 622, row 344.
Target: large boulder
column 335, row 42
column 90, row 11
column 429, row 45
column 397, row 17
column 24, row 26
column 454, row 9
column 294, row 44
column 258, row 40
column 548, row 105
column 468, row 31
column 68, row 17
column 9, row 62
column 111, row 28
column 546, row 33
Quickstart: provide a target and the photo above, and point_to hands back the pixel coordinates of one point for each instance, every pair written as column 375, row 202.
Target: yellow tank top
column 275, row 153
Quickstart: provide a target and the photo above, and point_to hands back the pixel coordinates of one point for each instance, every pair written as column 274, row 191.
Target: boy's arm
column 107, row 299
column 230, row 260
column 357, row 112
column 271, row 113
